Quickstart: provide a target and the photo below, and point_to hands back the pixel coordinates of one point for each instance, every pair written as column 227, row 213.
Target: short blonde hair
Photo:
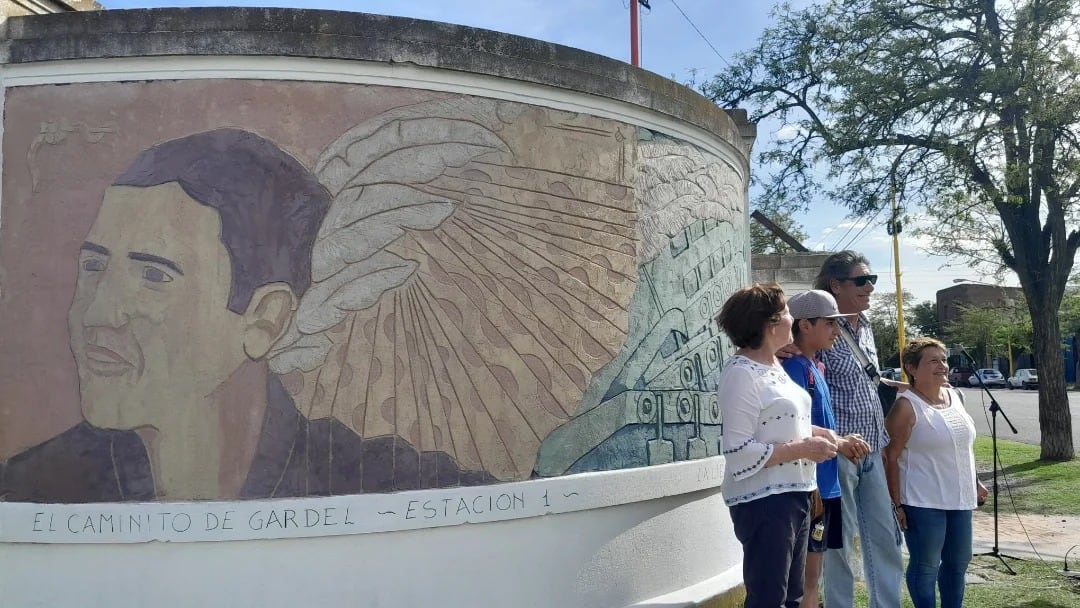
column 913, row 352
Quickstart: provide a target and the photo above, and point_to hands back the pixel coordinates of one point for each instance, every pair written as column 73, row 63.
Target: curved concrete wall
column 310, row 290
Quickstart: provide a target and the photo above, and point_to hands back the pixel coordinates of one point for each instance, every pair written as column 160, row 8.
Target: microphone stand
column 995, row 409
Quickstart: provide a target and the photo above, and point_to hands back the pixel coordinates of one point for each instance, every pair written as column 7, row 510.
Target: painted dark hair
column 838, row 266
column 271, row 206
column 746, row 313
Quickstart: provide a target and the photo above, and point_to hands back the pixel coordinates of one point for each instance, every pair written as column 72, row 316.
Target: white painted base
column 616, row 556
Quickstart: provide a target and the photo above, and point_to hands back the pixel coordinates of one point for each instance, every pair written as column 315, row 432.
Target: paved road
column 1022, row 408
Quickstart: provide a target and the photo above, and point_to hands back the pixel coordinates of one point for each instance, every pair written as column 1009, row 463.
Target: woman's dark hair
column 913, row 353
column 838, row 266
column 746, row 313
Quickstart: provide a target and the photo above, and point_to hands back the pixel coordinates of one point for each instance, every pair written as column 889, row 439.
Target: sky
column 685, row 40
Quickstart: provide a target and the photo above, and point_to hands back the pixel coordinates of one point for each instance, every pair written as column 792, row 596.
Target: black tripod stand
column 995, row 409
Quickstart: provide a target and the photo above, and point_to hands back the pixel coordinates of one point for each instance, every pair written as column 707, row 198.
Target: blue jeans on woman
column 939, row 544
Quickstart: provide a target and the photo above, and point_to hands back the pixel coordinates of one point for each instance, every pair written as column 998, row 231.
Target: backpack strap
column 859, row 354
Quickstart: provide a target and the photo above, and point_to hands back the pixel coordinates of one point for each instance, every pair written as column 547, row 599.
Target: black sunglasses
column 861, row 281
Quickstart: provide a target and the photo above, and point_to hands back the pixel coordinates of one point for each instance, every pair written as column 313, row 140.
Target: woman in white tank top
column 930, row 468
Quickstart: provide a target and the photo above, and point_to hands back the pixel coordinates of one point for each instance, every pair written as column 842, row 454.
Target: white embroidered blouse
column 761, row 406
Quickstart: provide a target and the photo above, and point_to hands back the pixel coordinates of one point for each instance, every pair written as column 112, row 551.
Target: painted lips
column 105, row 362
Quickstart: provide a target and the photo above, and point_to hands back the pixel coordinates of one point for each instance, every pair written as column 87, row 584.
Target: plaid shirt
column 854, row 396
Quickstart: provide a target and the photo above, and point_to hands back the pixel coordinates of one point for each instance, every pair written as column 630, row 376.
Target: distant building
column 952, row 300
column 16, row 8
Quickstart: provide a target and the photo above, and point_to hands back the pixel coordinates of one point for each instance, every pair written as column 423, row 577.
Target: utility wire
column 696, row 29
column 858, row 236
column 854, row 224
column 862, row 232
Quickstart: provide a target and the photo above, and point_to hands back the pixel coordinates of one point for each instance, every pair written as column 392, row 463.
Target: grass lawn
column 1036, row 585
column 1033, row 487
column 1048, row 488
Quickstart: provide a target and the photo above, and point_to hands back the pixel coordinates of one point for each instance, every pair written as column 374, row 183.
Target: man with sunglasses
column 852, row 380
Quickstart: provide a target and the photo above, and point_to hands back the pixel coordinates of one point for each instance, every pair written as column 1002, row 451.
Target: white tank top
column 937, row 466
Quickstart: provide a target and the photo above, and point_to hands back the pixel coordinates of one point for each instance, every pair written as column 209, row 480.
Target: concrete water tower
column 309, row 308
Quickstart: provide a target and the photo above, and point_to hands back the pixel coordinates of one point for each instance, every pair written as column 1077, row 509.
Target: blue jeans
column 939, row 542
column 867, row 509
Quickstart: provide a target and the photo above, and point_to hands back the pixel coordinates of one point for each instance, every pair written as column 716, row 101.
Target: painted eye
column 156, row 275
column 93, row 265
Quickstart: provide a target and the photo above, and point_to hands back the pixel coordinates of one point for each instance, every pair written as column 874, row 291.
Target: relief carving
column 55, row 132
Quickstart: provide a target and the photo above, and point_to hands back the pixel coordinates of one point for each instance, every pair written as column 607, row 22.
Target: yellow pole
column 896, row 269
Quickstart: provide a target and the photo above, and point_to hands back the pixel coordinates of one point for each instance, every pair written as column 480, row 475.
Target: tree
column 1069, row 317
column 968, row 109
column 924, row 320
column 1070, row 321
column 763, row 241
column 974, row 330
column 883, row 322
column 992, row 332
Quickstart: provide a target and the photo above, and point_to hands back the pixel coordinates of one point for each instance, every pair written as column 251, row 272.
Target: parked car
column 958, row 376
column 890, row 373
column 1024, row 378
column 989, row 377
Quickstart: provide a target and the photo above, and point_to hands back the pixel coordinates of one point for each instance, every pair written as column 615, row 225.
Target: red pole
column 635, row 52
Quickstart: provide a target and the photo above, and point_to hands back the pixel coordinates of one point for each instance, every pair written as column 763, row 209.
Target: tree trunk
column 1055, row 420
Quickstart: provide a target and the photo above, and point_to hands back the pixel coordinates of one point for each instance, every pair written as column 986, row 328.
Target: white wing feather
column 372, row 172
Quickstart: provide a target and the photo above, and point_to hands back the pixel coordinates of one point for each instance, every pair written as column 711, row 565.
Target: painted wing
column 473, row 273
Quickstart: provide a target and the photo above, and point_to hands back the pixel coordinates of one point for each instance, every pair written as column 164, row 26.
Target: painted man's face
column 149, row 326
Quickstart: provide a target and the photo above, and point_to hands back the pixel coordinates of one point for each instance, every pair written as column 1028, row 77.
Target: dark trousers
column 773, row 532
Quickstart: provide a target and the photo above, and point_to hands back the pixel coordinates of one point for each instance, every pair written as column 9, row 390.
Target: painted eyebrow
column 148, row 257
column 88, row 246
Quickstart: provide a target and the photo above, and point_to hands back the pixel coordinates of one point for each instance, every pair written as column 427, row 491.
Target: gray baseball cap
column 814, row 304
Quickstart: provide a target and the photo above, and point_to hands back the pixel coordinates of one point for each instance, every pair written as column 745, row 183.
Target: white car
column 1024, row 378
column 989, row 377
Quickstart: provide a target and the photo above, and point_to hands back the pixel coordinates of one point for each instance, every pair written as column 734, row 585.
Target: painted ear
column 267, row 318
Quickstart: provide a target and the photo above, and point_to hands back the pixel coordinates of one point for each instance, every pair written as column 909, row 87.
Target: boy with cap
column 815, row 329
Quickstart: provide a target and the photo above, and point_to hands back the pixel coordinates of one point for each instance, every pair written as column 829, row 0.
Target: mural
column 444, row 291
column 656, row 401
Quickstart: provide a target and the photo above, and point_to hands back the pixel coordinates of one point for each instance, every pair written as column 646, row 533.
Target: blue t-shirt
column 806, row 374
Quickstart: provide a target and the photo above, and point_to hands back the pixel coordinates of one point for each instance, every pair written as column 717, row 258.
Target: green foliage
column 992, row 331
column 883, row 321
column 764, row 242
column 1069, row 316
column 923, row 320
column 971, row 108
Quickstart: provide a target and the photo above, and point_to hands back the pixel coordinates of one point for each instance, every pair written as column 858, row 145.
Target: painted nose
column 107, row 302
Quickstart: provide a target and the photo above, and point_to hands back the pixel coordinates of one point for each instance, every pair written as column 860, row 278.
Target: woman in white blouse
column 771, row 449
column 930, row 468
